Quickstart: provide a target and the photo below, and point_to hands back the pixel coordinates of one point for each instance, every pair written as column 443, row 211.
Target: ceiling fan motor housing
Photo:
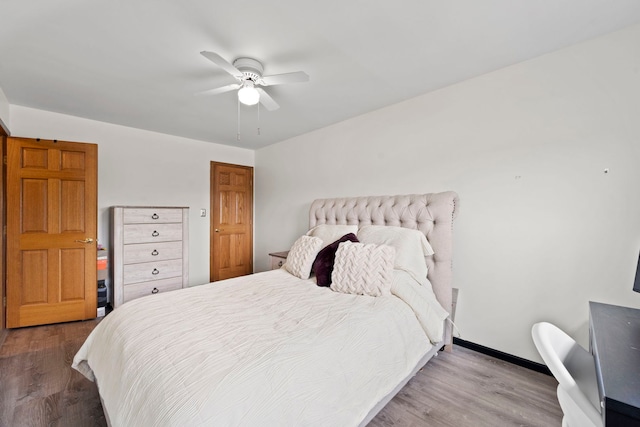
column 251, row 68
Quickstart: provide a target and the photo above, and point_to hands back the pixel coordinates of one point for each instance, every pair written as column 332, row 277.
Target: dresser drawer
column 144, row 272
column 148, row 233
column 150, row 288
column 152, row 252
column 152, row 215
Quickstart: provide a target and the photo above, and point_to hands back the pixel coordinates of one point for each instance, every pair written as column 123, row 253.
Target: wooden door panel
column 240, row 208
column 72, row 266
column 33, row 273
column 71, row 211
column 61, row 312
column 34, row 202
column 238, row 250
column 51, row 210
column 224, row 254
column 224, row 204
column 231, row 221
column 35, row 158
column 72, row 161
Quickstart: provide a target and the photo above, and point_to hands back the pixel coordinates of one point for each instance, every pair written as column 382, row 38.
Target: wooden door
column 51, row 231
column 231, row 221
column 3, row 330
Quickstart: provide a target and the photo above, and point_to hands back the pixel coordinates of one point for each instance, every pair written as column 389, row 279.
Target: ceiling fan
column 248, row 73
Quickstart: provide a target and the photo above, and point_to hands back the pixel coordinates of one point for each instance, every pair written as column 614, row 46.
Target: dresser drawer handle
column 280, row 264
column 155, row 271
column 155, row 253
column 155, row 216
column 155, row 291
column 155, row 234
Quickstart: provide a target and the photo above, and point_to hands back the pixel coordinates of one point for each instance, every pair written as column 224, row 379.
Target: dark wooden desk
column 614, row 334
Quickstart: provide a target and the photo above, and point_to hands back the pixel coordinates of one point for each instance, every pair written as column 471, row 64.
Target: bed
column 275, row 349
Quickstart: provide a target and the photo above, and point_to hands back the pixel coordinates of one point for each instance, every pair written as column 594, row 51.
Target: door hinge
column 4, row 159
column 4, row 301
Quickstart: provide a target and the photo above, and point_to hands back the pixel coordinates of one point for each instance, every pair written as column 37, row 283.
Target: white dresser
column 150, row 250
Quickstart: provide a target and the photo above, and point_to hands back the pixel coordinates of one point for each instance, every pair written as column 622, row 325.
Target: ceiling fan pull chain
column 238, row 134
column 258, row 119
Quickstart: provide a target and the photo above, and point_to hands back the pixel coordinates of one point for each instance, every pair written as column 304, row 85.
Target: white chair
column 574, row 369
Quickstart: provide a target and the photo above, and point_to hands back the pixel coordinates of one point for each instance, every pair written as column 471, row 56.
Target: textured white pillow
column 363, row 269
column 330, row 233
column 411, row 247
column 301, row 256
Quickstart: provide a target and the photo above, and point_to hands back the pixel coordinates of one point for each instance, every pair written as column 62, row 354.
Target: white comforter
column 262, row 350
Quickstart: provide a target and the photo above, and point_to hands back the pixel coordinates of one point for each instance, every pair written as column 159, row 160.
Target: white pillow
column 411, row 247
column 363, row 269
column 301, row 256
column 331, row 233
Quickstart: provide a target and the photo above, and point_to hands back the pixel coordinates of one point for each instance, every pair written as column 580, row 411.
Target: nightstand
column 278, row 259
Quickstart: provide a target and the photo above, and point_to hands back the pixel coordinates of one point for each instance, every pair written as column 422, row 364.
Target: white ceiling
column 137, row 62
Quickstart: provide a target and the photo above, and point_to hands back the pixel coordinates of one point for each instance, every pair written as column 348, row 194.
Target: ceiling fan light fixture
column 250, row 81
column 248, row 94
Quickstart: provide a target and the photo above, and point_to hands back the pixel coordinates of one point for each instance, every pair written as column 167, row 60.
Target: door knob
column 87, row 240
column 217, row 230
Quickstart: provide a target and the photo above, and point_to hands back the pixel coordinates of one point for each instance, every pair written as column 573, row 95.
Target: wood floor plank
column 12, row 379
column 38, row 386
column 462, row 388
column 465, row 388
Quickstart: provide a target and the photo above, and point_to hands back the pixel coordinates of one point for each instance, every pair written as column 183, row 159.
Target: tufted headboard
column 431, row 213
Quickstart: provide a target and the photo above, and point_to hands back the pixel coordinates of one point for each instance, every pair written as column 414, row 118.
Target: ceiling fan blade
column 222, row 63
column 221, row 89
column 267, row 101
column 279, row 79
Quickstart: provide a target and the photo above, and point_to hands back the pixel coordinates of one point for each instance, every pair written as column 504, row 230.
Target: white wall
column 541, row 228
column 4, row 109
column 138, row 167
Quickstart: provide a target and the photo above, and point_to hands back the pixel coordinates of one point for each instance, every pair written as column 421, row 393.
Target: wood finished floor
column 457, row 389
